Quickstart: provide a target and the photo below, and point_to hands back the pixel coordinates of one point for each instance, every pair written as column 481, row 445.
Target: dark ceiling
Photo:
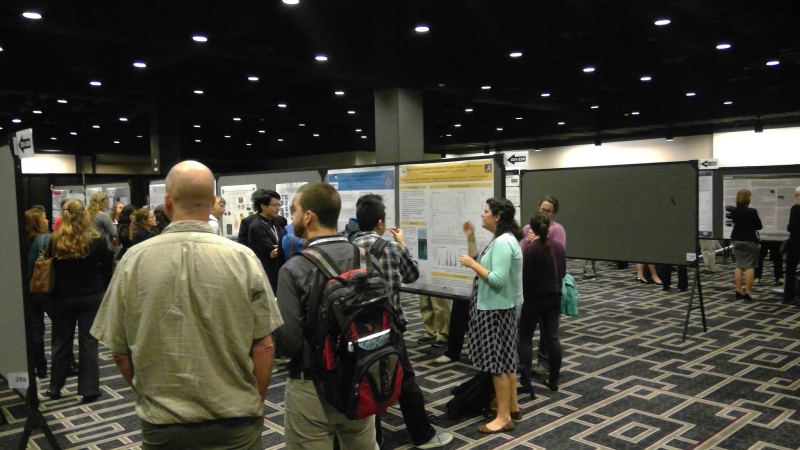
column 372, row 44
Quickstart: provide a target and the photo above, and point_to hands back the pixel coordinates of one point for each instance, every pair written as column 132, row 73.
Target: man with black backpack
column 398, row 267
column 340, row 332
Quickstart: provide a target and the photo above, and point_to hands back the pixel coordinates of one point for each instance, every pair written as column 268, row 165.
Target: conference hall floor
column 628, row 379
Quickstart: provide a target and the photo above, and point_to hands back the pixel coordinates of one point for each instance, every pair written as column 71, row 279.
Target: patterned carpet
column 628, row 381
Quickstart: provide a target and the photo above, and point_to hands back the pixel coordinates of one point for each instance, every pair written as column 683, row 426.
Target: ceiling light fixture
column 116, row 142
column 515, row 54
column 468, row 110
column 53, row 139
column 197, row 140
column 499, row 129
column 252, row 78
column 96, row 126
column 449, row 135
column 545, row 94
column 595, row 106
column 646, row 78
column 123, row 119
column 227, row 136
column 237, row 119
column 316, row 135
column 486, row 88
column 363, row 137
column 321, row 58
column 281, row 105
column 351, row 112
column 301, row 125
column 73, row 133
column 62, row 101
column 249, row 144
column 728, row 102
column 1, row 49
column 358, row 130
column 280, row 140
column 635, row 113
column 662, row 22
column 519, row 118
column 773, row 62
column 36, row 111
column 261, row 131
column 197, row 126
column 422, row 28
column 457, row 125
column 16, row 120
column 95, row 83
column 291, row 2
column 31, row 15
column 198, row 92
column 723, row 46
column 339, row 92
column 139, row 136
column 139, row 65
column 690, row 94
column 588, row 69
column 199, row 38
column 562, row 123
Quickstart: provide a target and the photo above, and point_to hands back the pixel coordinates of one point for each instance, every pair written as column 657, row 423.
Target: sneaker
column 439, row 439
column 538, row 369
column 437, row 343
column 444, row 359
column 589, row 276
column 779, row 282
column 425, row 340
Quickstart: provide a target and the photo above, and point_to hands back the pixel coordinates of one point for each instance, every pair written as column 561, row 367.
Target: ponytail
column 540, row 225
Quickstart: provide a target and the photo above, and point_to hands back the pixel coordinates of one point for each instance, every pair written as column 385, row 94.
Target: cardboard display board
column 638, row 213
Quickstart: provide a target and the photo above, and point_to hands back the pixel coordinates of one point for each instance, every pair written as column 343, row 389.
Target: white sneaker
column 442, row 360
column 439, row 439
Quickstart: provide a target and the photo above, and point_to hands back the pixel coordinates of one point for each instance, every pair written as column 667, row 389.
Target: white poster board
column 705, row 206
column 287, row 192
column 237, row 206
column 435, row 201
column 60, row 193
column 773, row 198
column 512, row 190
column 117, row 192
column 353, row 183
column 157, row 191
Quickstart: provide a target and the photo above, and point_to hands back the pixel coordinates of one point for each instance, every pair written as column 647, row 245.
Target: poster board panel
column 637, row 213
column 772, row 196
column 117, row 192
column 157, row 190
column 356, row 182
column 61, row 193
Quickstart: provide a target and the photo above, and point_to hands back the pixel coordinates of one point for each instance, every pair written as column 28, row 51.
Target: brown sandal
column 516, row 415
column 507, row 427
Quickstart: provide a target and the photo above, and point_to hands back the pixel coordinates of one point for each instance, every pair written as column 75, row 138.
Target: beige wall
column 49, row 163
column 134, row 169
column 777, row 146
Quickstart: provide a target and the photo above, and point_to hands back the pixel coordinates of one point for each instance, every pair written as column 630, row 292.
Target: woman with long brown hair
column 142, row 225
column 36, row 229
column 83, row 270
column 100, row 219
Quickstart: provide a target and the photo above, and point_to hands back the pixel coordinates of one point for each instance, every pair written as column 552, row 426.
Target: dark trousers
column 412, row 404
column 790, row 285
column 774, row 249
column 459, row 321
column 548, row 310
column 37, row 326
column 65, row 313
column 236, row 433
column 665, row 273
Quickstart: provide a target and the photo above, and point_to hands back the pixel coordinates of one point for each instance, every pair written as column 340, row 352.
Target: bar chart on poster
column 772, row 196
column 435, row 201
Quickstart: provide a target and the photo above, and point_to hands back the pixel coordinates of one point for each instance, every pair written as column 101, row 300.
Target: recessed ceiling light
column 139, row 65
column 36, row 111
column 31, row 15
column 1, row 49
column 53, row 139
column 723, row 46
column 358, row 130
column 457, row 125
column 468, row 110
column 519, row 118
column 728, row 103
column 351, row 112
column 280, row 140
column 261, row 131
column 363, row 137
column 690, row 94
column 95, row 83
column 95, row 126
column 291, row 2
column 515, row 54
column 662, row 22
column 339, row 92
column 123, row 119
column 249, row 144
column 199, row 38
column 139, row 136
column 538, row 150
column 281, row 105
column 545, row 94
column 301, row 125
column 116, row 142
column 588, row 69
column 449, row 135
column 422, row 28
column 773, row 62
column 635, row 113
column 316, row 135
column 197, row 140
column 62, row 101
column 646, row 78
column 499, row 129
column 73, row 133
column 321, row 58
column 16, row 120
column 486, row 87
column 562, row 123
column 198, row 92
column 197, row 126
column 595, row 106
column 237, row 119
column 227, row 137
column 252, row 78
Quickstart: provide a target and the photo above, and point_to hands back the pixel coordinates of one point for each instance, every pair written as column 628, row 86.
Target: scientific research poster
column 353, row 183
column 435, row 201
column 66, row 193
column 237, row 206
column 287, row 192
column 773, row 197
column 705, row 222
column 157, row 192
column 512, row 190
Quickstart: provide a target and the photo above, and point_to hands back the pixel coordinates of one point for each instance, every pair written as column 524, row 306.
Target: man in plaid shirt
column 398, row 267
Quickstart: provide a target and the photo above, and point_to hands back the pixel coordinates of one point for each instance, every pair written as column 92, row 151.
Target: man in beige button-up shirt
column 189, row 317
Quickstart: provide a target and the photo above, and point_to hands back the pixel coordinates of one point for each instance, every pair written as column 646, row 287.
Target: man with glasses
column 265, row 233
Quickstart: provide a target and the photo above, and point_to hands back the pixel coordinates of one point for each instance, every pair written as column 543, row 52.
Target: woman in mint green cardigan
column 496, row 292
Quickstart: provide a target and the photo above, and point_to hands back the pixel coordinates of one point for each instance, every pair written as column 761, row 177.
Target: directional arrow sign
column 517, row 160
column 23, row 143
column 710, row 163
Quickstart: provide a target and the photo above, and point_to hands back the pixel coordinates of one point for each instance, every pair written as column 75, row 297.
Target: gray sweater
column 108, row 231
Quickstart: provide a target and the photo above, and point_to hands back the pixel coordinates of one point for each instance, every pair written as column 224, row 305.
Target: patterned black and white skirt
column 492, row 337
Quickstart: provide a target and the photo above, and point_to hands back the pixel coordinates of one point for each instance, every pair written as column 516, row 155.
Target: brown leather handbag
column 44, row 275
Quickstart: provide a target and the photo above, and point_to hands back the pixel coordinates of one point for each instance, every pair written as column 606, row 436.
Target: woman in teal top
column 36, row 227
column 496, row 292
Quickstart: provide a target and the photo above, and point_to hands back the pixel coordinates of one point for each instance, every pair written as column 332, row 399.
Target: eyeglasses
column 546, row 211
column 274, row 205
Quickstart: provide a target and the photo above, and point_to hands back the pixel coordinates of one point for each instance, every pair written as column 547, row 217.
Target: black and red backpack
column 354, row 355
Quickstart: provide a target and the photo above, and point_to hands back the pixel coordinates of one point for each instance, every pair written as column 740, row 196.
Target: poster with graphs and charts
column 772, row 196
column 435, row 201
column 287, row 192
column 353, row 183
column 237, row 206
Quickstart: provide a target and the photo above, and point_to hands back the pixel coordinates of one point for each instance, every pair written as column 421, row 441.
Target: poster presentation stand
column 696, row 287
column 356, row 182
column 237, row 207
column 34, row 420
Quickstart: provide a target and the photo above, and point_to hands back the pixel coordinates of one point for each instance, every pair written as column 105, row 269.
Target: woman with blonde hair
column 83, row 266
column 100, row 219
column 142, row 225
column 744, row 235
column 36, row 229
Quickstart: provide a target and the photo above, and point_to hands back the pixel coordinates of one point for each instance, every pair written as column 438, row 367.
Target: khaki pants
column 435, row 316
column 237, row 433
column 708, row 249
column 310, row 423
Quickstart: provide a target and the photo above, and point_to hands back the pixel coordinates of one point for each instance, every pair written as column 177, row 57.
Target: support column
column 165, row 142
column 399, row 133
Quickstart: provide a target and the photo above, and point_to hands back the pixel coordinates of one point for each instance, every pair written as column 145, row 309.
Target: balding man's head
column 190, row 192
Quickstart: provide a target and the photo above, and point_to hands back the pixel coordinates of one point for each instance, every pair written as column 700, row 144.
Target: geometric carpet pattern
column 628, row 380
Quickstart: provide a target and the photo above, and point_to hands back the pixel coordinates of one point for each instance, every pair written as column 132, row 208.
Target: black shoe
column 53, row 395
column 438, row 344
column 589, row 276
column 739, row 295
column 747, row 298
column 425, row 340
column 552, row 387
column 641, row 280
column 41, row 372
column 72, row 370
column 91, row 398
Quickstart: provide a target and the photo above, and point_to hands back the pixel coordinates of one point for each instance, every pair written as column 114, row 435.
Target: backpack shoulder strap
column 378, row 247
column 322, row 260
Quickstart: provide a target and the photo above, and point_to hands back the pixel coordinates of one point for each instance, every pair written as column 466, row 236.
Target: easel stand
column 696, row 286
column 35, row 421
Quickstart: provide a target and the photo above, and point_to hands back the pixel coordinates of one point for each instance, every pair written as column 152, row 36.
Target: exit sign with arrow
column 516, row 160
column 706, row 164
